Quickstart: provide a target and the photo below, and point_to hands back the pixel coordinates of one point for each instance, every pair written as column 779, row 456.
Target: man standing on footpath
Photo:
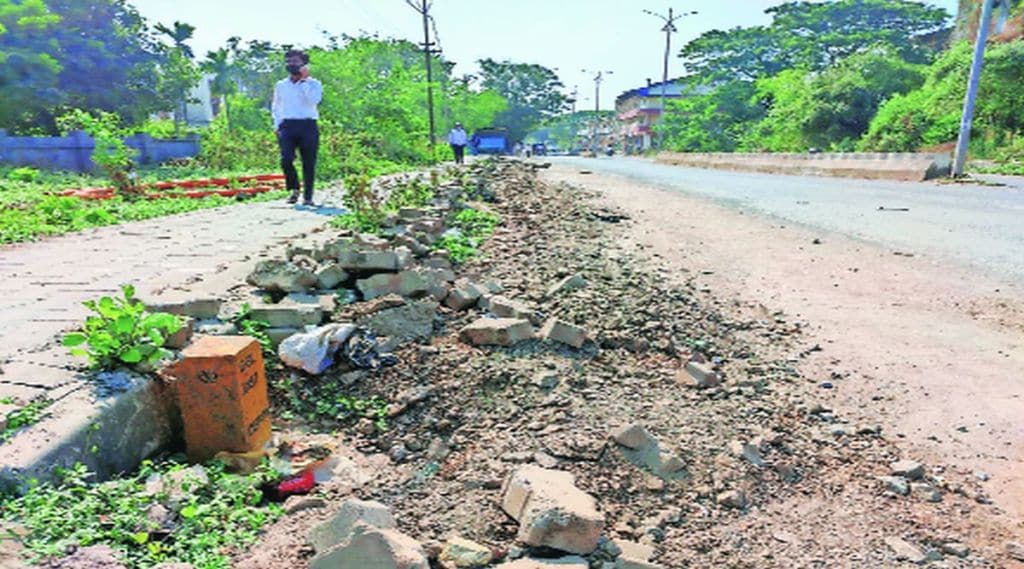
column 457, row 138
column 295, row 115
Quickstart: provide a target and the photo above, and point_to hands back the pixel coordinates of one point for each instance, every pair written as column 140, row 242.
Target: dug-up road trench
column 928, row 349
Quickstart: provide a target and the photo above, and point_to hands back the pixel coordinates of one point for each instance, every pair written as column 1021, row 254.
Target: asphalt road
column 976, row 224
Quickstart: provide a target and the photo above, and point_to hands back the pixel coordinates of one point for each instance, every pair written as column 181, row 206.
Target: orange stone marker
column 222, row 390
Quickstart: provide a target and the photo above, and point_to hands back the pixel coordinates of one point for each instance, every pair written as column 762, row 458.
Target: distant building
column 640, row 109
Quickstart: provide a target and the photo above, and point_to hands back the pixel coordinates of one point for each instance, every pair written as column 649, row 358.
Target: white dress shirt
column 296, row 100
column 457, row 137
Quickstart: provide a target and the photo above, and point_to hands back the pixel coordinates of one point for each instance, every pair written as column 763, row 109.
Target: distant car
column 540, row 149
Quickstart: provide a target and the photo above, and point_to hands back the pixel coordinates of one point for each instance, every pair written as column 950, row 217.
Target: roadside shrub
column 930, row 116
column 23, row 174
column 122, row 332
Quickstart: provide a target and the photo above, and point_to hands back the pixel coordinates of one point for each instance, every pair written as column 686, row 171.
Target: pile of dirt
column 766, row 475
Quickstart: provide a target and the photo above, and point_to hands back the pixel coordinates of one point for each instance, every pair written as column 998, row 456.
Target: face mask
column 293, row 69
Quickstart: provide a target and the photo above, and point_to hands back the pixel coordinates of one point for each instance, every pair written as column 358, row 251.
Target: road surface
column 924, row 343
column 977, row 224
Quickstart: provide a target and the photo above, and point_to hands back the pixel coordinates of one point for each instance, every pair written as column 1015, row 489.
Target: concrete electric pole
column 423, row 7
column 669, row 28
column 597, row 104
column 964, row 138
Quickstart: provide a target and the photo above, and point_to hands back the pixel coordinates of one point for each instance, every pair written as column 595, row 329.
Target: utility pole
column 597, row 105
column 669, row 28
column 423, row 7
column 962, row 140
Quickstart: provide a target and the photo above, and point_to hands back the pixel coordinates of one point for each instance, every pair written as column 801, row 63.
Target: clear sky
column 567, row 35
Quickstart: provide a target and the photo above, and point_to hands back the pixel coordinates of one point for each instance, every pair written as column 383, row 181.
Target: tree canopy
column 533, row 93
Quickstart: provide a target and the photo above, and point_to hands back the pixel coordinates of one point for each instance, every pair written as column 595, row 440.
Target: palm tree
column 180, row 33
column 223, row 69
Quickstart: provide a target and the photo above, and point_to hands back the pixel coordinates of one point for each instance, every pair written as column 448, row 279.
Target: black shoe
column 294, row 198
column 308, row 203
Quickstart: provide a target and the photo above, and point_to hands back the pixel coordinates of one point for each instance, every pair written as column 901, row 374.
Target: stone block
column 222, row 393
column 497, row 332
column 503, row 307
column 556, row 330
column 278, row 275
column 551, row 510
column 192, row 306
column 330, row 275
column 374, row 548
column 698, row 374
column 571, row 562
column 351, row 513
column 462, row 297
column 405, row 283
column 288, row 316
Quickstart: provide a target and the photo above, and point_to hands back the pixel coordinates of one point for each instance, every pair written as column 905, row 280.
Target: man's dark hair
column 298, row 52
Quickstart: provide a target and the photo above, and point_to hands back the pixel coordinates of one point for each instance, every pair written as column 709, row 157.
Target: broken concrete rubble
column 373, row 548
column 279, row 275
column 909, row 469
column 698, row 374
column 570, row 283
column 330, row 275
column 503, row 307
column 461, row 553
column 349, row 514
column 462, row 297
column 412, row 321
column 288, row 315
column 556, row 330
column 361, row 534
column 497, row 332
column 405, row 283
column 551, row 510
column 572, row 562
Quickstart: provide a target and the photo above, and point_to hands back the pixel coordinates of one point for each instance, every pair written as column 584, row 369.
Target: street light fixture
column 669, row 28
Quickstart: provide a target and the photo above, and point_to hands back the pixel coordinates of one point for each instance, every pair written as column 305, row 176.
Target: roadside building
column 639, row 110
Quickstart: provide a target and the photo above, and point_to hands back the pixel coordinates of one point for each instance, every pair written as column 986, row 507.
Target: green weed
column 122, row 332
column 205, row 524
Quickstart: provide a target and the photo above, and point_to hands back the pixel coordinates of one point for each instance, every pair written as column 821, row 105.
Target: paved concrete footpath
column 43, row 284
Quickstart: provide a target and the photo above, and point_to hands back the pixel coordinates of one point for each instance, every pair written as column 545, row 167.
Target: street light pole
column 960, row 157
column 669, row 28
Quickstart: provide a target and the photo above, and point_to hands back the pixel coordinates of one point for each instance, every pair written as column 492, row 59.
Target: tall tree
column 109, row 61
column 178, row 72
column 28, row 68
column 813, row 36
column 219, row 64
column 534, row 93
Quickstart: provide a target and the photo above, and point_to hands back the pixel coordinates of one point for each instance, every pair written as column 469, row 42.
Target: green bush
column 930, row 116
column 23, row 174
column 122, row 332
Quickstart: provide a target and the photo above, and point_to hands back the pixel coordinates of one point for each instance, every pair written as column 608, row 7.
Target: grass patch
column 28, row 210
column 205, row 523
column 472, row 227
column 27, row 415
column 323, row 403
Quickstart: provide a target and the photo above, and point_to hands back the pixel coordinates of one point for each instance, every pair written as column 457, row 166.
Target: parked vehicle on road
column 491, row 140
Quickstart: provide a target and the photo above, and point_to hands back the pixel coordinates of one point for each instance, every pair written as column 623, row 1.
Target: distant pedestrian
column 295, row 113
column 458, row 138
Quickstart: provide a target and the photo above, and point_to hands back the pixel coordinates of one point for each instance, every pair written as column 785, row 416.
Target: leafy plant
column 23, row 174
column 111, row 154
column 207, row 522
column 472, row 227
column 255, row 328
column 324, row 404
column 122, row 332
column 25, row 416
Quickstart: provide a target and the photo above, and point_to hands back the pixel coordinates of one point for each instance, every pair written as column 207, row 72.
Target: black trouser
column 304, row 135
column 460, row 151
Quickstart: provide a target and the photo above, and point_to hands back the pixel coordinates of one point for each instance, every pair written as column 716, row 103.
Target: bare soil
column 662, row 290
